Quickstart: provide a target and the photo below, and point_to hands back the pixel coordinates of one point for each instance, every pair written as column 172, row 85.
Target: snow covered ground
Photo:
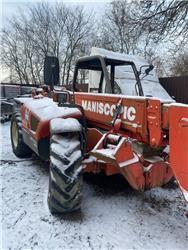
column 113, row 215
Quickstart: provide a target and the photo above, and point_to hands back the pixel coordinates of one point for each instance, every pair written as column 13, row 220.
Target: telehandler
column 141, row 137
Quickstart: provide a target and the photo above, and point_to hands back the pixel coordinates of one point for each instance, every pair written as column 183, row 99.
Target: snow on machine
column 126, row 124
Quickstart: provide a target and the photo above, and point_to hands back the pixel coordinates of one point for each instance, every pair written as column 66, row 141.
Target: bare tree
column 46, row 30
column 163, row 18
column 10, row 54
column 144, row 28
column 78, row 30
column 116, row 32
column 68, row 32
column 179, row 61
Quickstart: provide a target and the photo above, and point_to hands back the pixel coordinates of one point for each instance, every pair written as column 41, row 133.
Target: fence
column 177, row 87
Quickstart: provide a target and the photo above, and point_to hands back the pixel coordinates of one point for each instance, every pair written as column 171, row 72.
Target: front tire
column 65, row 179
column 19, row 148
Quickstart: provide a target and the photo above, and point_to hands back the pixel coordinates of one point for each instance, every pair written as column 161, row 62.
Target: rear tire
column 65, row 179
column 19, row 148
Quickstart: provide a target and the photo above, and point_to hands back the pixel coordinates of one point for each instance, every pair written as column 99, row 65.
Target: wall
column 177, row 87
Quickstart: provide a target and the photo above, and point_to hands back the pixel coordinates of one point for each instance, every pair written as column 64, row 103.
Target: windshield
column 125, row 79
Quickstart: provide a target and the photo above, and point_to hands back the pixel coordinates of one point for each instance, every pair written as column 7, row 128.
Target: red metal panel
column 154, row 122
column 179, row 145
column 100, row 108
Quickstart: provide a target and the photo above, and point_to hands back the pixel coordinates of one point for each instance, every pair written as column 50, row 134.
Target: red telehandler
column 141, row 137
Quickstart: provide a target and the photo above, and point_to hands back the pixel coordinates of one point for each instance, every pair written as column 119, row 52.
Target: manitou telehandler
column 141, row 137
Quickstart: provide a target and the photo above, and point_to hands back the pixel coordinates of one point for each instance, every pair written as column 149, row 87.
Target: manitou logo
column 107, row 109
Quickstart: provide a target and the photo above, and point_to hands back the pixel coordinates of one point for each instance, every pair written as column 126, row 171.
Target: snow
column 153, row 159
column 46, row 109
column 59, row 125
column 105, row 152
column 184, row 119
column 166, row 149
column 124, row 96
column 113, row 137
column 77, row 172
column 59, row 164
column 90, row 159
column 112, row 95
column 183, row 105
column 125, row 77
column 185, row 193
column 66, row 142
column 147, row 169
column 113, row 216
column 22, row 99
column 129, row 162
column 76, row 155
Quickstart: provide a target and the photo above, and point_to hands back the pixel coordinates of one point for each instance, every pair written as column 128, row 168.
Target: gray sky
column 9, row 8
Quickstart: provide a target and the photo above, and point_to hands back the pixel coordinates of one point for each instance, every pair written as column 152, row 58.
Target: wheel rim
column 15, row 134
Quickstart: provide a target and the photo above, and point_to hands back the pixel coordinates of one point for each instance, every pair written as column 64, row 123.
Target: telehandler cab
column 143, row 138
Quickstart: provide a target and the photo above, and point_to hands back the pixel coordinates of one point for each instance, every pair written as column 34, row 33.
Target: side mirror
column 61, row 96
column 51, row 71
column 150, row 68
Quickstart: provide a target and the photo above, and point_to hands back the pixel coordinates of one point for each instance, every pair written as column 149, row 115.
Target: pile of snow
column 125, row 78
column 59, row 125
column 46, row 108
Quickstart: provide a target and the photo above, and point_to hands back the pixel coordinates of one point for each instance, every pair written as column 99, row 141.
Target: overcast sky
column 9, row 8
